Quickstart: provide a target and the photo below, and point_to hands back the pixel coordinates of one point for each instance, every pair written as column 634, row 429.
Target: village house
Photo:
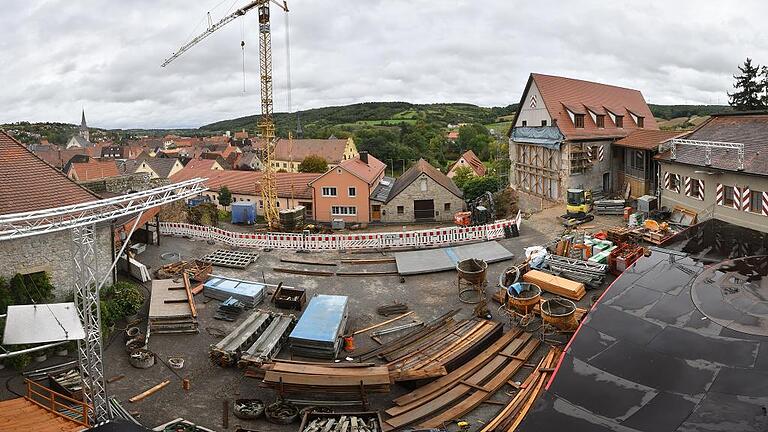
column 162, row 168
column 29, row 184
column 634, row 160
column 344, row 191
column 91, row 169
column 563, row 135
column 290, row 153
column 292, row 188
column 470, row 160
column 204, row 164
column 249, row 161
column 422, row 193
column 720, row 170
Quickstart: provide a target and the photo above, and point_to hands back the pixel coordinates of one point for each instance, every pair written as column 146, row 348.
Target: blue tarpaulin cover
column 322, row 319
column 545, row 136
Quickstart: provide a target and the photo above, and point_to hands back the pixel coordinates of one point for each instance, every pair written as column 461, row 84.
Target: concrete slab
column 444, row 259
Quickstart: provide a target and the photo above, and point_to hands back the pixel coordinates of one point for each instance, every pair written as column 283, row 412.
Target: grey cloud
column 104, row 55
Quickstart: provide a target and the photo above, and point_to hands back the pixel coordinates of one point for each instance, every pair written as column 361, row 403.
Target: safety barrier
column 305, row 241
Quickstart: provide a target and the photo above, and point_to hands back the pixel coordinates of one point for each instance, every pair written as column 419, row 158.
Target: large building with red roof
column 563, row 135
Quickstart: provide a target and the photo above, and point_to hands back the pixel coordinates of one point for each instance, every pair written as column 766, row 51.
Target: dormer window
column 600, row 121
column 578, row 121
column 619, row 121
column 543, row 122
column 641, row 122
column 525, row 123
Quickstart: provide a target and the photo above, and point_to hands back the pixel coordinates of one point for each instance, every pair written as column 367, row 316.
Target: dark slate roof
column 423, row 167
column 161, row 166
column 381, row 192
column 82, row 141
column 670, row 346
column 750, row 129
column 28, row 183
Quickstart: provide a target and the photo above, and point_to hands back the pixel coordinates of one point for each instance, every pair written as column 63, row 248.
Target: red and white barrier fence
column 378, row 240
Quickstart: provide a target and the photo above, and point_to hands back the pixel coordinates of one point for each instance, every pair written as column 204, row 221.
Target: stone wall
column 414, row 191
column 125, row 183
column 52, row 253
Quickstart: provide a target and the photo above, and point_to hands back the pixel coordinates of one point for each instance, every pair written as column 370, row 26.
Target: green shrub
column 125, row 298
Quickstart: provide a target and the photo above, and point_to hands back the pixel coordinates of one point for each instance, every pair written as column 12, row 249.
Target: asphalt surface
column 429, row 296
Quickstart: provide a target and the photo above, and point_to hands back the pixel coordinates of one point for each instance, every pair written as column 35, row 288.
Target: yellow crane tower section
column 266, row 121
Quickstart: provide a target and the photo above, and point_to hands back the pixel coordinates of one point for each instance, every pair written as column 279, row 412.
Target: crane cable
column 242, row 47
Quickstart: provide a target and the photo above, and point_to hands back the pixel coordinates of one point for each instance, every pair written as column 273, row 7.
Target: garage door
column 423, row 209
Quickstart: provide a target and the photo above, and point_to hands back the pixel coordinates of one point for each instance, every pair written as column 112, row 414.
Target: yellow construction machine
column 579, row 206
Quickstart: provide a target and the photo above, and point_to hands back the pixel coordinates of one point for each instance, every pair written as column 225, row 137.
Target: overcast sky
column 60, row 56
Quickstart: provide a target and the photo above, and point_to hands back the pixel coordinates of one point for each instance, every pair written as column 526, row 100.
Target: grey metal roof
column 381, row 192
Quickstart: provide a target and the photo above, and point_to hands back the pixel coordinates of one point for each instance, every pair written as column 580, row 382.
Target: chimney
column 364, row 157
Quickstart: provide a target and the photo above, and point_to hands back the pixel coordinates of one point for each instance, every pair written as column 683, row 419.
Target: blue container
column 243, row 213
column 196, row 201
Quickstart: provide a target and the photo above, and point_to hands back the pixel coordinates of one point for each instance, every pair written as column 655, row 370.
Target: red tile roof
column 558, row 93
column 59, row 157
column 750, row 129
column 28, row 183
column 473, row 161
column 368, row 172
column 202, row 164
column 647, row 139
column 93, row 170
column 330, row 149
column 249, row 182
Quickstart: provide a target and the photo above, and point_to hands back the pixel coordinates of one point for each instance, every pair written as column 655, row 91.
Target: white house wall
column 533, row 116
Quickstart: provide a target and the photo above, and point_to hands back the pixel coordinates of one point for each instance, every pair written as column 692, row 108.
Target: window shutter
column 745, row 196
column 687, row 184
column 600, row 153
column 701, row 189
column 667, row 184
column 765, row 204
column 720, row 197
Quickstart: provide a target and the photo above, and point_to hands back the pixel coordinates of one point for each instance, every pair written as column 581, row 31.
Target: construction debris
column 149, row 392
column 248, row 409
column 289, row 297
column 392, row 309
column 170, row 309
column 230, row 258
column 197, row 269
column 229, row 310
column 259, row 336
column 381, row 324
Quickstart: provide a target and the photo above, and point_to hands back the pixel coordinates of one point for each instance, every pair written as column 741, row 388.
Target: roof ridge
column 584, row 81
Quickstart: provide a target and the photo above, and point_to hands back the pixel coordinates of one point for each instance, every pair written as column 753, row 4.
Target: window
column 600, row 121
column 344, row 210
column 447, row 207
column 594, row 153
column 728, row 196
column 674, row 182
column 578, row 120
column 641, row 122
column 638, row 159
column 328, row 191
column 696, row 189
column 543, row 122
column 261, row 204
column 756, row 201
column 352, row 192
column 400, row 209
column 285, row 164
column 525, row 123
column 619, row 121
column 277, row 203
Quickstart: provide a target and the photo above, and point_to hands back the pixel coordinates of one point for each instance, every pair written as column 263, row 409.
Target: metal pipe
column 396, row 329
column 30, row 350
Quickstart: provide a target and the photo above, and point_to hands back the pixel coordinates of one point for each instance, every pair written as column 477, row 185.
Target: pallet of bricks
column 436, row 349
column 461, row 391
column 323, row 382
column 256, row 340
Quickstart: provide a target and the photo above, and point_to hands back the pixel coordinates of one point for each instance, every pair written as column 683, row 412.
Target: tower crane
column 266, row 122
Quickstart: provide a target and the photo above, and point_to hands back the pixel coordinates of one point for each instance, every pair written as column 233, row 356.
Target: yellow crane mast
column 266, row 122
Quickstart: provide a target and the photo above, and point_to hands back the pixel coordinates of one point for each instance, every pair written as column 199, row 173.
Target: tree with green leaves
column 313, row 164
column 225, row 197
column 462, row 175
column 476, row 186
column 750, row 88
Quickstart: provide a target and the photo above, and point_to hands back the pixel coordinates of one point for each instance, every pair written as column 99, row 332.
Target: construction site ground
column 429, row 296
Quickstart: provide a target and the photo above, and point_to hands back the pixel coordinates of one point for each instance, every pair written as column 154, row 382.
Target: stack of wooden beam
column 198, row 270
column 172, row 307
column 609, row 207
column 456, row 394
column 429, row 357
column 511, row 416
column 323, row 379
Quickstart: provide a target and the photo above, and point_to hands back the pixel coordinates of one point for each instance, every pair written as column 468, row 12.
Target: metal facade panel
column 51, row 322
column 322, row 319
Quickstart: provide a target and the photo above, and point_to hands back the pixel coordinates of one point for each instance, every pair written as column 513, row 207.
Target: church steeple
column 84, row 128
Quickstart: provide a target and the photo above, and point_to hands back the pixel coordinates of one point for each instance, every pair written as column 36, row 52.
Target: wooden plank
column 149, row 391
column 308, row 262
column 411, row 414
column 456, row 344
column 466, row 369
column 381, row 324
column 409, row 337
column 433, row 341
column 329, row 371
column 471, row 402
column 417, row 374
column 303, row 272
column 386, row 260
column 325, row 380
column 368, row 273
column 556, row 284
